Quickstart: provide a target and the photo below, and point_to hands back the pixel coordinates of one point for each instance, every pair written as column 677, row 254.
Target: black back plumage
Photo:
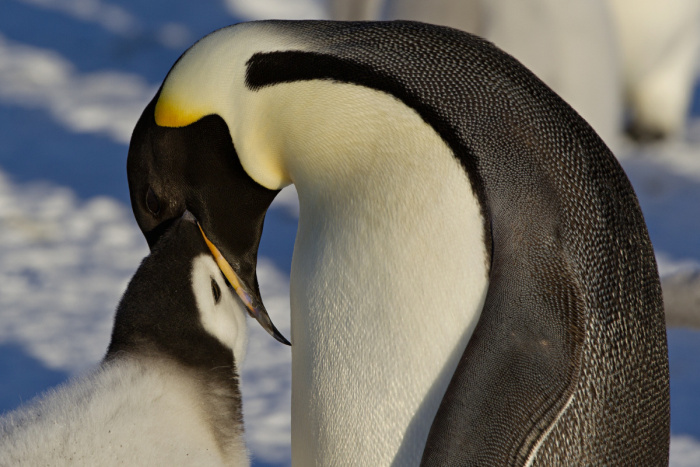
column 568, row 364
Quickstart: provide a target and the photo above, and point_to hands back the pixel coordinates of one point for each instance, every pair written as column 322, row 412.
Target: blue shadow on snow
column 683, row 347
column 22, row 377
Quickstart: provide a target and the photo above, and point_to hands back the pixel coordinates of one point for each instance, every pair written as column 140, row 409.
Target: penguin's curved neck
column 389, row 271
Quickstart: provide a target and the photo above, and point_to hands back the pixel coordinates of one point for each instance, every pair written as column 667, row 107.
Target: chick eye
column 152, row 201
column 215, row 291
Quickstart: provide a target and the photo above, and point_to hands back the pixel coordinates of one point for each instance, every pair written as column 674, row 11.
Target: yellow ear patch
column 169, row 114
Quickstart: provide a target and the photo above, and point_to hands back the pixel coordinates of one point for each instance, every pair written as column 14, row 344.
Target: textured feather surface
column 568, row 363
column 128, row 412
column 572, row 330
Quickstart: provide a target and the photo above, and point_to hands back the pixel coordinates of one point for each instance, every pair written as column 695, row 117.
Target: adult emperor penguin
column 167, row 391
column 472, row 280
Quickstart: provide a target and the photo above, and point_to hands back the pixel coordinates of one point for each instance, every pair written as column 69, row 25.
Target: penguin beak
column 251, row 301
column 196, row 168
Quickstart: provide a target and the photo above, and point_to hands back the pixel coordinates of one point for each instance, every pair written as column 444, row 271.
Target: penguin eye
column 152, row 201
column 215, row 291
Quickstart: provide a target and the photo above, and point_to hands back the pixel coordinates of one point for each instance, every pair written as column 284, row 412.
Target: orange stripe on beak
column 256, row 310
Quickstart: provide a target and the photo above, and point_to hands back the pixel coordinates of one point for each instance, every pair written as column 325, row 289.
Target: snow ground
column 74, row 77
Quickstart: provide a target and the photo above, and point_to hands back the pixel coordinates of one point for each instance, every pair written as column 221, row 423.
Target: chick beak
column 250, row 300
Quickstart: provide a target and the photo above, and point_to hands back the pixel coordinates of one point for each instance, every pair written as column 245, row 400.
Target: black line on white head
column 215, row 290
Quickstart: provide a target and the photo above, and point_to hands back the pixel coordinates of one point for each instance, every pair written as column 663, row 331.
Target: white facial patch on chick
column 220, row 311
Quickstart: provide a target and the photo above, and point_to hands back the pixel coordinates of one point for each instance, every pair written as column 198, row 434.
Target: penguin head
column 182, row 157
column 179, row 304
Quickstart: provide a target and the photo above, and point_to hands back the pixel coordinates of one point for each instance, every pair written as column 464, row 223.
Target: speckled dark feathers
column 574, row 313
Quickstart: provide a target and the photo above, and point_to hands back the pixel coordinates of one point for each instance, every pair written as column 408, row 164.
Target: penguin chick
column 167, row 390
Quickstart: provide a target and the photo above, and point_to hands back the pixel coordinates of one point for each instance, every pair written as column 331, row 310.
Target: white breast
column 389, row 272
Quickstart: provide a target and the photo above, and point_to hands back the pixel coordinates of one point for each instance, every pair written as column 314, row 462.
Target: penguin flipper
column 518, row 372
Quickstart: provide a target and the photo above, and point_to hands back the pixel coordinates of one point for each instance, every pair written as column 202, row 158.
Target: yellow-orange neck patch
column 169, row 114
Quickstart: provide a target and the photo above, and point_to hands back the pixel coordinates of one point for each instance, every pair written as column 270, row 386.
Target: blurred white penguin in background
column 660, row 43
column 167, row 392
